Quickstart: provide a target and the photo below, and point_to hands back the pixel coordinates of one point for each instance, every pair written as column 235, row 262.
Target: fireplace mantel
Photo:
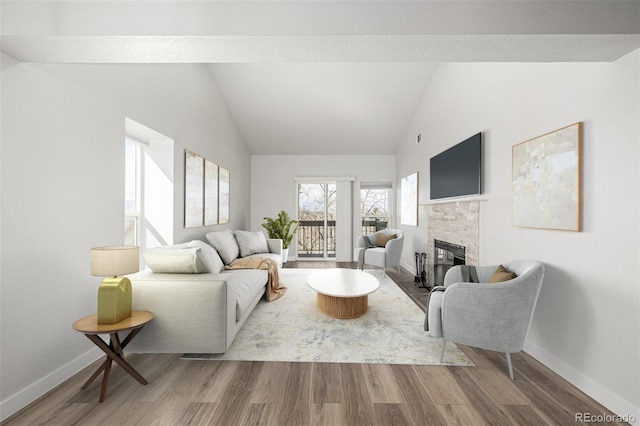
column 455, row 200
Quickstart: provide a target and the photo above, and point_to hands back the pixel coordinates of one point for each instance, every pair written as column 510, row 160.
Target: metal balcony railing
column 374, row 224
column 311, row 235
column 311, row 238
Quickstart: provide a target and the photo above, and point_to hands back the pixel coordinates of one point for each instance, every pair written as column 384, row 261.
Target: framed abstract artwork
column 223, row 195
column 210, row 193
column 409, row 200
column 193, row 189
column 206, row 192
column 546, row 180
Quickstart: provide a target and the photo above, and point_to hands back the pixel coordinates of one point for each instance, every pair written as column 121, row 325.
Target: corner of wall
column 35, row 390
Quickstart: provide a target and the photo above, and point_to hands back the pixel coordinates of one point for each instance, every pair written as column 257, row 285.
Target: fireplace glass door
column 446, row 255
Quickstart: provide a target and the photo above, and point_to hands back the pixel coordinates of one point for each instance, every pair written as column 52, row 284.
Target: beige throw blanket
column 275, row 289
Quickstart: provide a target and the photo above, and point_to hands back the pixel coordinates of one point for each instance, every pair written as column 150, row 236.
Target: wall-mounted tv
column 457, row 171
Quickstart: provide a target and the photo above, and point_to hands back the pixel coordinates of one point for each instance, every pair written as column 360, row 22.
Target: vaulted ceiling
column 322, row 108
column 319, row 77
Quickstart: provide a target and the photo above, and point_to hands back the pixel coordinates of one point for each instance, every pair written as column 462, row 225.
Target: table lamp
column 114, row 294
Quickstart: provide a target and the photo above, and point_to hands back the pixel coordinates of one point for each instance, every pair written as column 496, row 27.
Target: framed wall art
column 210, row 193
column 409, row 200
column 193, row 189
column 546, row 180
column 206, row 192
column 223, row 195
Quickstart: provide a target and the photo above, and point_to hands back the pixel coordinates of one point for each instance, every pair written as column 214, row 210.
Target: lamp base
column 114, row 300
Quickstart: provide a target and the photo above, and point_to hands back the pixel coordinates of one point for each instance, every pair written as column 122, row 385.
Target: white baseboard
column 604, row 396
column 16, row 402
column 623, row 408
column 410, row 268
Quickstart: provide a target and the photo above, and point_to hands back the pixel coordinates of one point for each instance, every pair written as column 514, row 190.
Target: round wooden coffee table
column 343, row 293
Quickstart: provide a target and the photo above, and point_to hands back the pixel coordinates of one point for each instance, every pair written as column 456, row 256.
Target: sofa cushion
column 251, row 243
column 225, row 243
column 275, row 257
column 178, row 259
column 208, row 256
column 501, row 274
column 250, row 283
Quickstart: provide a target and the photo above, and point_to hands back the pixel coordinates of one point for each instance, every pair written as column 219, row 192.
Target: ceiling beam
column 251, row 49
column 293, row 18
column 318, row 31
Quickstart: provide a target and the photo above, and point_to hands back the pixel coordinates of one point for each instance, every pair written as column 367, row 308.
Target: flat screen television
column 457, row 171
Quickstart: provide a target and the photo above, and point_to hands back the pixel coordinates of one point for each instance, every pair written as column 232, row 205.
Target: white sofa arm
column 275, row 245
column 193, row 313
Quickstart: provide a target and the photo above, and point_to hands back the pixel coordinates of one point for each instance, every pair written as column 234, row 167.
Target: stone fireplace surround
column 457, row 222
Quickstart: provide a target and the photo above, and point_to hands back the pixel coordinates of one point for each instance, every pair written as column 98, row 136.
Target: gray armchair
column 492, row 316
column 383, row 257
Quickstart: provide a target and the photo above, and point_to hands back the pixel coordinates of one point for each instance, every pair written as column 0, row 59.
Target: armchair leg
column 444, row 343
column 509, row 364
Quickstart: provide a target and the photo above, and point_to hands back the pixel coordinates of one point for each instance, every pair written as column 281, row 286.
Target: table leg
column 96, row 374
column 116, row 357
column 105, row 379
column 114, row 344
column 130, row 337
column 114, row 351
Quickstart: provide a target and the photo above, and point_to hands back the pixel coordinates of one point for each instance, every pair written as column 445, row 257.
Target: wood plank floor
column 283, row 393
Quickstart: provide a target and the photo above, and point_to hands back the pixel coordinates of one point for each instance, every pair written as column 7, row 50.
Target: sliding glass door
column 317, row 216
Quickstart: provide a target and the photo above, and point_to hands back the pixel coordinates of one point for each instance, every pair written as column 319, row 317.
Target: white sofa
column 198, row 312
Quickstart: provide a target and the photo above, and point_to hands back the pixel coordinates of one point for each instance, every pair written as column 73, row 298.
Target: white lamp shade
column 114, row 260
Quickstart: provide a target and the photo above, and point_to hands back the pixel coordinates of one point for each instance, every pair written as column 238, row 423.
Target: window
column 132, row 190
column 374, row 206
column 148, row 192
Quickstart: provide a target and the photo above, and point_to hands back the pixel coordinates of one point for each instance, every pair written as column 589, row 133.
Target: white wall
column 62, row 189
column 62, row 175
column 272, row 178
column 586, row 325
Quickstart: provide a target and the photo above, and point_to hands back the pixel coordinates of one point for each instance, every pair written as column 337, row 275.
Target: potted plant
column 281, row 228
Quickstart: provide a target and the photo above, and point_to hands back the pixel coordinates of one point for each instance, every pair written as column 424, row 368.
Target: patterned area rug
column 294, row 329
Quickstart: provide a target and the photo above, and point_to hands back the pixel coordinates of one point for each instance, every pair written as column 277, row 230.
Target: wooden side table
column 89, row 327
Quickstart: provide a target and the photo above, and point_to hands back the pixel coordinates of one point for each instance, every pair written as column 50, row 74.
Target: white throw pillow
column 194, row 257
column 174, row 260
column 208, row 256
column 251, row 243
column 225, row 243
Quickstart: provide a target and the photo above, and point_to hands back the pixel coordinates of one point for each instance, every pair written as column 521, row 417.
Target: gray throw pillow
column 251, row 243
column 225, row 243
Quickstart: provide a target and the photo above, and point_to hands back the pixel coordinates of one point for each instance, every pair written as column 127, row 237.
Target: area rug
column 294, row 329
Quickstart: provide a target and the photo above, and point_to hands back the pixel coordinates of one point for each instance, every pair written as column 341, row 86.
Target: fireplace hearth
column 446, row 255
